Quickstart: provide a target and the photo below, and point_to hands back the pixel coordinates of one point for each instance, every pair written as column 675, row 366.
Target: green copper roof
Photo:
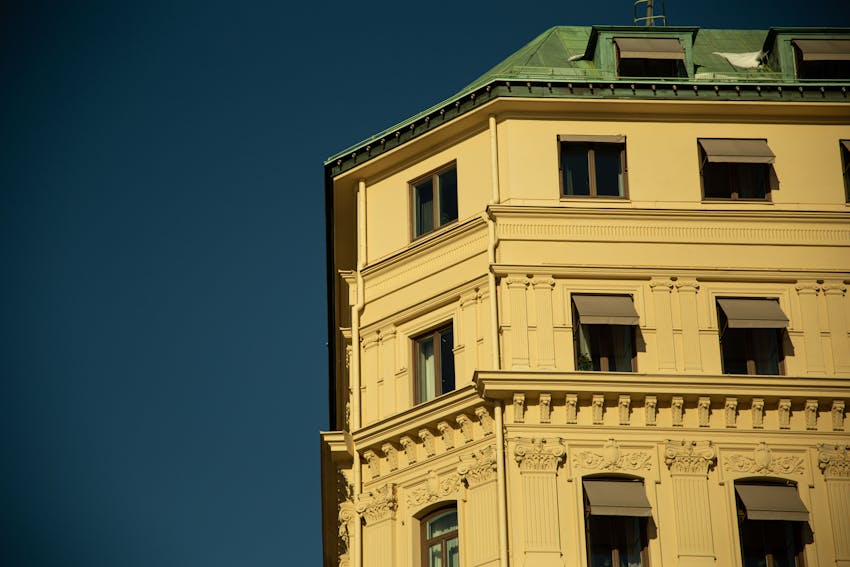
column 579, row 62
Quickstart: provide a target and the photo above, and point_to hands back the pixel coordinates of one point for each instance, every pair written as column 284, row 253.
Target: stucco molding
column 477, row 467
column 379, row 504
column 539, row 454
column 689, row 457
column 612, row 458
column 345, row 519
column 762, row 462
column 434, row 488
column 834, row 460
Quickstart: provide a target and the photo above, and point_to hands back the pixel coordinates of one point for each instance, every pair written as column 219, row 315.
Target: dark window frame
column 770, row 526
column 435, row 335
column 819, row 69
column 748, row 339
column 434, row 177
column 734, row 172
column 650, row 68
column 615, row 531
column 590, row 148
column 425, row 543
column 601, row 336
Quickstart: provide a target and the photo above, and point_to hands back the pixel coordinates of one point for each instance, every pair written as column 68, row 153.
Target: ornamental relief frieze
column 651, row 232
column 611, row 458
column 763, row 462
column 434, row 488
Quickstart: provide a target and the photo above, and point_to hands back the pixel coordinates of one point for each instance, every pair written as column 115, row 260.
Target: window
column 845, row 166
column 435, row 364
column 650, row 57
column 605, row 333
column 751, row 336
column 822, row 58
column 593, row 166
column 439, row 539
column 736, row 169
column 434, row 200
column 770, row 521
column 616, row 512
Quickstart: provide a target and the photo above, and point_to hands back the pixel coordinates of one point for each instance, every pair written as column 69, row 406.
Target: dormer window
column 650, row 57
column 824, row 59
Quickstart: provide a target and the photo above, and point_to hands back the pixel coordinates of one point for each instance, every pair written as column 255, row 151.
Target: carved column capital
column 834, row 288
column 543, row 282
column 834, row 460
column 478, row 467
column 379, row 504
column 689, row 457
column 539, row 454
column 807, row 288
column 687, row 285
column 515, row 282
column 661, row 284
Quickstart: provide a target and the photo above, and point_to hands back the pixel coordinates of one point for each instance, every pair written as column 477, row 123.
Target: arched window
column 771, row 517
column 616, row 512
column 440, row 539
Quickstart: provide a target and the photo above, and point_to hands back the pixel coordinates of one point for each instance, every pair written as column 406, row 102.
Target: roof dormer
column 626, row 52
column 809, row 54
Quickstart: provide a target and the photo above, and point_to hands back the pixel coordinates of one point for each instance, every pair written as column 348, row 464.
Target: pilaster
column 378, row 508
column 543, row 287
column 835, row 293
column 834, row 462
column 690, row 325
column 663, row 324
column 807, row 293
column 538, row 461
column 517, row 286
column 478, row 472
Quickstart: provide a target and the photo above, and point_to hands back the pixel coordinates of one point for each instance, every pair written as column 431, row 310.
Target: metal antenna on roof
column 650, row 18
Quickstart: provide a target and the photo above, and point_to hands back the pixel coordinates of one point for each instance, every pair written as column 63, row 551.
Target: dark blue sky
column 162, row 317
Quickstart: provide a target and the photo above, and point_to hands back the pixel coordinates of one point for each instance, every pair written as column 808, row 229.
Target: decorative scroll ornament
column 763, row 462
column 379, row 504
column 434, row 489
column 834, row 460
column 346, row 517
column 538, row 454
column 611, row 459
column 478, row 467
column 689, row 457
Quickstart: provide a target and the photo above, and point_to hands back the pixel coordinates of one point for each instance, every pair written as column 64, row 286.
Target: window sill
column 734, row 201
column 433, row 233
column 591, row 199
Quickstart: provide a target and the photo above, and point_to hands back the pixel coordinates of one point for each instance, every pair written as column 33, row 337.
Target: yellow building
column 593, row 310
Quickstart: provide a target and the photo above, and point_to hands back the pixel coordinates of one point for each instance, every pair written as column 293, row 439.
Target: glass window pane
column 715, row 181
column 435, row 555
column 609, row 171
column 766, row 351
column 622, row 348
column 448, row 196
column 442, row 524
column 425, row 370
column 447, row 361
column 574, row 169
column 452, row 553
column 751, row 180
column 733, row 344
column 423, row 195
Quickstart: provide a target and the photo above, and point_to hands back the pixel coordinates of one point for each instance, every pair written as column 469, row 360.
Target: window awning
column 598, row 139
column 606, row 310
column 731, row 150
column 617, row 498
column 824, row 49
column 753, row 313
column 772, row 502
column 649, row 48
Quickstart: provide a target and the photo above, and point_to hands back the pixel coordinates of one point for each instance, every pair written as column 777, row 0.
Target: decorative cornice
column 611, row 458
column 689, row 457
column 834, row 460
column 379, row 504
column 539, row 454
column 434, row 489
column 763, row 462
column 478, row 467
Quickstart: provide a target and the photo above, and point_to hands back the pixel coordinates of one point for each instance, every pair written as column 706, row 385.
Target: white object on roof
column 749, row 60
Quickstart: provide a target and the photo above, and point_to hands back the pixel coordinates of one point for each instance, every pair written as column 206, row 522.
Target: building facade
column 592, row 310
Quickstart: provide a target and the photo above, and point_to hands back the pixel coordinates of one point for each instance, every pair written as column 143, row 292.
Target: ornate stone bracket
column 704, row 411
column 391, row 453
column 374, row 463
column 545, row 408
column 650, row 409
column 730, row 409
column 519, row 408
column 345, row 518
column 624, row 408
column 677, row 408
column 571, row 407
column 611, row 458
column 834, row 460
column 811, row 414
column 447, row 433
column 758, row 413
column 539, row 454
column 379, row 504
column 763, row 462
column 689, row 457
column 465, row 427
column 598, row 409
column 409, row 446
column 428, row 441
column 486, row 421
column 784, row 413
column 838, row 415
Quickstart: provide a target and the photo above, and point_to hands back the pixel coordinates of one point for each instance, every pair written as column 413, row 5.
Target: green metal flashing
column 543, row 69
